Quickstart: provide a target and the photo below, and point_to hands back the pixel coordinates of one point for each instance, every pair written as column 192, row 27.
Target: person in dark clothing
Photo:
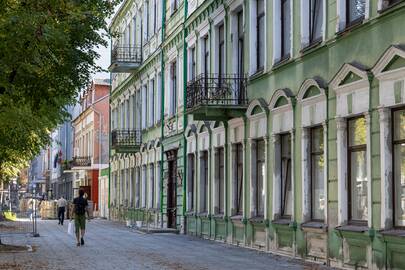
column 80, row 209
column 61, row 209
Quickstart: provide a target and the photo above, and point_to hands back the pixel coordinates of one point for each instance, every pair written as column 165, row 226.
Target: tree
column 46, row 55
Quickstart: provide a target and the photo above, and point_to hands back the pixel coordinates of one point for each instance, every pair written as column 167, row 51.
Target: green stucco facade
column 357, row 70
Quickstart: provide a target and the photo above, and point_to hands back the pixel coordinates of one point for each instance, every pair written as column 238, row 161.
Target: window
column 219, row 176
column 355, row 11
column 173, row 5
column 152, row 103
column 190, row 182
column 260, row 168
column 173, row 98
column 398, row 119
column 144, row 172
column 357, row 170
column 238, row 177
column 152, row 186
column 154, row 16
column 286, row 181
column 144, row 106
column 315, row 20
column 127, row 114
column 137, row 187
column 317, row 174
column 192, row 64
column 260, row 24
column 221, row 51
column 159, row 99
column 206, row 47
column 285, row 29
column 241, row 39
column 204, row 181
column 133, row 186
column 389, row 3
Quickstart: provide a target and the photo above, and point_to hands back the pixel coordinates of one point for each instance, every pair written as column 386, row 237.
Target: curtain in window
column 286, row 27
column 260, row 176
column 356, row 10
column 286, row 189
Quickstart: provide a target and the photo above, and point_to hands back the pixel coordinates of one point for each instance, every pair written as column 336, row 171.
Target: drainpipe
column 162, row 108
column 184, row 105
column 109, row 145
column 327, row 173
column 294, row 176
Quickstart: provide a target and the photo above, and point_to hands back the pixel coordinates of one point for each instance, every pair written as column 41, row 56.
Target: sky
column 103, row 61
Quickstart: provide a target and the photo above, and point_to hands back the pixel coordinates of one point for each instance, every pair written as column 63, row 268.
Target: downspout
column 184, row 104
column 327, row 172
column 162, row 107
column 294, row 176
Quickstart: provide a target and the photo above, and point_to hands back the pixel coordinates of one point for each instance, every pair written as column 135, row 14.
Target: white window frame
column 277, row 43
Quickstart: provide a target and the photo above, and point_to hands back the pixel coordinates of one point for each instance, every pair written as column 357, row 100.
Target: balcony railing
column 216, row 90
column 81, row 162
column 125, row 58
column 126, row 138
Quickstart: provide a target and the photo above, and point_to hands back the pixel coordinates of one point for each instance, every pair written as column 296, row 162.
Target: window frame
column 241, row 44
column 357, row 21
column 283, row 197
column 239, row 188
column 173, row 81
column 152, row 185
column 220, row 167
column 257, row 168
column 311, row 33
column 221, row 51
column 350, row 150
column 204, row 207
column 284, row 55
column 312, row 155
column 191, row 182
column 259, row 17
column 394, row 142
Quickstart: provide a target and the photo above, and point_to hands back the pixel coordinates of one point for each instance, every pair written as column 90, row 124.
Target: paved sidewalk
column 112, row 246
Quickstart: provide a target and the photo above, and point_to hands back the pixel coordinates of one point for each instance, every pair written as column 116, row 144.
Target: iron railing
column 217, row 89
column 126, row 138
column 81, row 162
column 127, row 54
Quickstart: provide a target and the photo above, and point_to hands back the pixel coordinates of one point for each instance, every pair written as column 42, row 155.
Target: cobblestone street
column 112, row 246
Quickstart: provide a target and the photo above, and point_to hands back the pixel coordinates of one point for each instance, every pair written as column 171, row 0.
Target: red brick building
column 91, row 131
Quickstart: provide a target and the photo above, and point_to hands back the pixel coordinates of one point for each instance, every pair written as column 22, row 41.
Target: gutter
column 184, row 106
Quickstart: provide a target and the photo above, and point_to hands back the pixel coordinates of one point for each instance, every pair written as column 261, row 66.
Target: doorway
column 171, row 189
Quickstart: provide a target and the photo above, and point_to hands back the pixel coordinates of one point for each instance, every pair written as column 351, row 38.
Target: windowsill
column 202, row 214
column 190, row 213
column 218, row 216
column 258, row 219
column 314, row 226
column 310, row 46
column 258, row 73
column 236, row 217
column 153, row 210
column 390, row 7
column 353, row 228
column 351, row 26
column 281, row 221
column 394, row 232
column 282, row 61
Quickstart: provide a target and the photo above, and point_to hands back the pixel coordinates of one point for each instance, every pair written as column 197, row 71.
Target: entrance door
column 171, row 189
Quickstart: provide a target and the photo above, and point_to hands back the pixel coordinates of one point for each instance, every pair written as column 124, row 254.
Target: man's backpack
column 80, row 207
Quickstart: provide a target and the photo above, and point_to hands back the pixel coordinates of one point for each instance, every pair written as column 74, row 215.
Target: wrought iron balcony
column 216, row 96
column 81, row 161
column 126, row 140
column 125, row 58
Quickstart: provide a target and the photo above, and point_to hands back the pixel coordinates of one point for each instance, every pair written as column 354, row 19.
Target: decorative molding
column 385, row 59
column 308, row 83
column 281, row 93
column 343, row 72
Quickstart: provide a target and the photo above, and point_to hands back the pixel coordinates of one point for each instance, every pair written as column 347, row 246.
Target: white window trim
column 341, row 14
column 252, row 41
column 277, row 30
column 386, row 151
column 304, row 22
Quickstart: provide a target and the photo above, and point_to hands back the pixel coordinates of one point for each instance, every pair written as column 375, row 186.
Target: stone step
column 158, row 230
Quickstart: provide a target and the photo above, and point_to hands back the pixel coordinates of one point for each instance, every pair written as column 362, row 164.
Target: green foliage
column 46, row 55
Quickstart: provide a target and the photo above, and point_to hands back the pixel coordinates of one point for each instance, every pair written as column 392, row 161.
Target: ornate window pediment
column 281, row 111
column 390, row 71
column 351, row 86
column 312, row 98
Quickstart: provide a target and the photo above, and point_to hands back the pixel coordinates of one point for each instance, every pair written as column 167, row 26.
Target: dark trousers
column 61, row 214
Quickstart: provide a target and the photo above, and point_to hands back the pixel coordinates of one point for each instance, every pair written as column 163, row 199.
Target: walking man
column 80, row 209
column 61, row 209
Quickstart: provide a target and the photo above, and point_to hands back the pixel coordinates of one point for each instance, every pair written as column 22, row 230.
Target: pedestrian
column 80, row 208
column 61, row 209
